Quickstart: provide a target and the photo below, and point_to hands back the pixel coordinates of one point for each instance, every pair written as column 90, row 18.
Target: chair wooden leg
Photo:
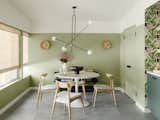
column 84, row 91
column 95, row 96
column 81, row 98
column 69, row 111
column 38, row 98
column 53, row 107
column 41, row 95
column 114, row 97
column 65, row 107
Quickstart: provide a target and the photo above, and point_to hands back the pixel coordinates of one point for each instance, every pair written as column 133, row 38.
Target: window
column 9, row 52
column 9, row 45
column 7, row 77
column 9, row 61
column 25, row 48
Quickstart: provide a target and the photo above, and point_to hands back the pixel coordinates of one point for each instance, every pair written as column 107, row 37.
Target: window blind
column 9, row 48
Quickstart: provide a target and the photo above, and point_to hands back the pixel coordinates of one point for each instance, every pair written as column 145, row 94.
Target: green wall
column 102, row 60
column 10, row 92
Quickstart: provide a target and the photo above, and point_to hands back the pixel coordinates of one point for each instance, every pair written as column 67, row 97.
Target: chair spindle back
column 111, row 81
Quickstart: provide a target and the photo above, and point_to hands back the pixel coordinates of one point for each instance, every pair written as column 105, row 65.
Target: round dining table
column 77, row 77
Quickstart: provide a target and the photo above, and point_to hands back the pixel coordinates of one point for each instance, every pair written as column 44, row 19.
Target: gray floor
column 105, row 110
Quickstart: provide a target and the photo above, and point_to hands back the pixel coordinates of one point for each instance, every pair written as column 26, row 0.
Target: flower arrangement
column 65, row 57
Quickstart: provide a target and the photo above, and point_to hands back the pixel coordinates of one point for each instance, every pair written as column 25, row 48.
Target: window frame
column 25, row 34
column 20, row 65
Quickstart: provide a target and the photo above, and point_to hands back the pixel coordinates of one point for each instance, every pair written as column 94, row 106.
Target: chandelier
column 74, row 35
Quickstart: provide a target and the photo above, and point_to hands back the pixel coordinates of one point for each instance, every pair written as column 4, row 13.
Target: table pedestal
column 77, row 104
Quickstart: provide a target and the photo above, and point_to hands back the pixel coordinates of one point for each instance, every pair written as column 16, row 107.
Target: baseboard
column 143, row 109
column 33, row 88
column 140, row 106
column 4, row 109
column 119, row 89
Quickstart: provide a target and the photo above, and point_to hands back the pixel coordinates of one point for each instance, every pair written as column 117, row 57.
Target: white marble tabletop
column 81, row 75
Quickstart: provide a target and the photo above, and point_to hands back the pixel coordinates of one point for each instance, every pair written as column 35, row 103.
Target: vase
column 64, row 68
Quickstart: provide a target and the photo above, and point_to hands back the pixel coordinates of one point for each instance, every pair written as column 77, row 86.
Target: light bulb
column 71, row 45
column 64, row 49
column 89, row 52
column 89, row 22
column 53, row 38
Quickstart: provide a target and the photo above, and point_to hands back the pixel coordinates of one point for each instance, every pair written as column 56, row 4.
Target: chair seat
column 48, row 87
column 101, row 86
column 63, row 98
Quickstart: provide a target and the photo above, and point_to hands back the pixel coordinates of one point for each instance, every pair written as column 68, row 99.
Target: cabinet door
column 154, row 95
column 129, row 58
column 133, row 74
column 150, row 92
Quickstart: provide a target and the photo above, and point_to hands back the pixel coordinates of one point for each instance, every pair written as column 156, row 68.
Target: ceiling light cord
column 73, row 28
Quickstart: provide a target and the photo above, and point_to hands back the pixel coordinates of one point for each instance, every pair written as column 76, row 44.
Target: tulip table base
column 77, row 104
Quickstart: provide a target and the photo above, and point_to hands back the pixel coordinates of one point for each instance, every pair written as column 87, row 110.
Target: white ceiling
column 60, row 10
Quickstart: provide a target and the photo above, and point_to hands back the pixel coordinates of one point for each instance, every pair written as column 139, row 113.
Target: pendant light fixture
column 74, row 35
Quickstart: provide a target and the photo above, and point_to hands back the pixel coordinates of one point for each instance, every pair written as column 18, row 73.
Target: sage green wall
column 12, row 91
column 102, row 60
column 133, row 79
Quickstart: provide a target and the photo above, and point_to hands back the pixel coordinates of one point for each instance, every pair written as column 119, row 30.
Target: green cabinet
column 132, row 63
column 154, row 95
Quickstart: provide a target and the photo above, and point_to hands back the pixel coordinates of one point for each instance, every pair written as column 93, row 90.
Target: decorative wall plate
column 106, row 44
column 45, row 44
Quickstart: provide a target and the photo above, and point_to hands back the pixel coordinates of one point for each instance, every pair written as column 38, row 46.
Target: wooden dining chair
column 103, row 88
column 44, row 88
column 66, row 97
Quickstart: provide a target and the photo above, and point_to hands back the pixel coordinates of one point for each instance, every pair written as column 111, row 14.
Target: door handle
column 128, row 66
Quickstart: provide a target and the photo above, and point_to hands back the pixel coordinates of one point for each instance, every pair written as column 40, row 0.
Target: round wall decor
column 106, row 44
column 45, row 44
